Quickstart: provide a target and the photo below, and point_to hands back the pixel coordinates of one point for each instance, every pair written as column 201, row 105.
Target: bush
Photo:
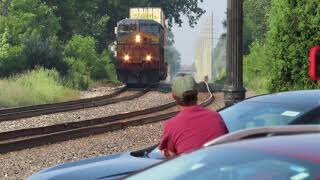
column 77, row 76
column 84, row 63
column 12, row 61
column 46, row 53
column 294, row 28
column 35, row 87
column 256, row 68
column 108, row 64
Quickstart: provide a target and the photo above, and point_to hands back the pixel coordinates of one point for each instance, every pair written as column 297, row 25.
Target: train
column 140, row 47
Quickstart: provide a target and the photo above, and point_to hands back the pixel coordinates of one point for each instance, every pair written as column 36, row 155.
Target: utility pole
column 233, row 88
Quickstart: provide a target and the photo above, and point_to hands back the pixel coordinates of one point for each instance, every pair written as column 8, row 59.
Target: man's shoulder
column 173, row 120
column 207, row 110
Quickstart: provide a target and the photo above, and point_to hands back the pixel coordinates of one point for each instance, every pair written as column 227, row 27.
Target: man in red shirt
column 194, row 125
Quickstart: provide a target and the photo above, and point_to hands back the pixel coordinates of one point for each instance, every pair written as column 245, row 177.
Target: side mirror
column 314, row 63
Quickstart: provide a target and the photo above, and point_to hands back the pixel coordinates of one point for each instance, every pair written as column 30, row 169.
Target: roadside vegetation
column 35, row 87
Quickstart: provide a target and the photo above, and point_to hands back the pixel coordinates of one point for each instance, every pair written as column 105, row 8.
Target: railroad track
column 31, row 111
column 28, row 138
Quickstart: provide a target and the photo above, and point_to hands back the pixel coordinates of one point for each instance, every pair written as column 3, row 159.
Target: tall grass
column 35, row 87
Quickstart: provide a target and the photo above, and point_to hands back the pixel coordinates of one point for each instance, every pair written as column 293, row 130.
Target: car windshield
column 230, row 164
column 249, row 114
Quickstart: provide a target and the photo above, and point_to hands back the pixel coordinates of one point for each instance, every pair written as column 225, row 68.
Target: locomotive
column 140, row 47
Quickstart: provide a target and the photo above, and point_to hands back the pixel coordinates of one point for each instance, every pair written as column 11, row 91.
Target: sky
column 185, row 36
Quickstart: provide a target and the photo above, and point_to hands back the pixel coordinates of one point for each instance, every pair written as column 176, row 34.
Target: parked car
column 293, row 107
column 274, row 153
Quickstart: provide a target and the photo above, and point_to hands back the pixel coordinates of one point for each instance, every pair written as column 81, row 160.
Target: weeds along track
column 31, row 111
column 28, row 138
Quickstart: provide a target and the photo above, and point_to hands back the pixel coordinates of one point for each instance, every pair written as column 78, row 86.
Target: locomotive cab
column 140, row 52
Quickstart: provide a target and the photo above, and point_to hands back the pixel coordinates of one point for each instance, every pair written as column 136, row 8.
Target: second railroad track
column 31, row 111
column 28, row 138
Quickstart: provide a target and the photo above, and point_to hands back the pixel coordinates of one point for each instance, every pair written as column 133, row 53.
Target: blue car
column 293, row 107
column 287, row 152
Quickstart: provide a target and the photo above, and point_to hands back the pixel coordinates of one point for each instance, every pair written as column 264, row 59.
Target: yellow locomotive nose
column 138, row 38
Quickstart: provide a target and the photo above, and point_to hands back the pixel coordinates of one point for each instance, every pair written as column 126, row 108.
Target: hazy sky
column 185, row 37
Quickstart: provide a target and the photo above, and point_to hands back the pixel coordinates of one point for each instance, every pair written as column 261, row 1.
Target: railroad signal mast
column 314, row 63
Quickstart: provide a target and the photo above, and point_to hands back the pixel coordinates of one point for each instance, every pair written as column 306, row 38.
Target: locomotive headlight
column 148, row 57
column 126, row 57
column 138, row 38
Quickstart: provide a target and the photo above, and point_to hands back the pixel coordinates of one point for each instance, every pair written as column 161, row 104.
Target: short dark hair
column 190, row 98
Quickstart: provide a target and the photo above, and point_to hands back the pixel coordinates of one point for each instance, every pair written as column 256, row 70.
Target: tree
column 5, row 7
column 171, row 55
column 255, row 21
column 294, row 28
column 28, row 18
column 98, row 18
column 22, row 23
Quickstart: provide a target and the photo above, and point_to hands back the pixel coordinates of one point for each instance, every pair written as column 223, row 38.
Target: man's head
column 184, row 90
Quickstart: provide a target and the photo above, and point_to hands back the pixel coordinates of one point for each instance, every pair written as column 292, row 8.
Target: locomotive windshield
column 150, row 28
column 127, row 28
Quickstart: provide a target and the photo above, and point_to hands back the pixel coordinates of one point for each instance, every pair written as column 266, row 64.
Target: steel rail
column 28, row 138
column 31, row 111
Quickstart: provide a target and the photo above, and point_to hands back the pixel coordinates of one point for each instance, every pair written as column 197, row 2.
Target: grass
column 256, row 84
column 35, row 87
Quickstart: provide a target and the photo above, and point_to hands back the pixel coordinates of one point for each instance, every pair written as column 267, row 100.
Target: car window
column 231, row 164
column 312, row 117
column 250, row 114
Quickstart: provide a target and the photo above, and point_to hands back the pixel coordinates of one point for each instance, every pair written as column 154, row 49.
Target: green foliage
column 97, row 18
column 46, row 53
column 86, row 18
column 256, row 67
column 171, row 54
column 107, row 63
column 219, row 58
column 221, row 77
column 255, row 21
column 85, row 64
column 12, row 59
column 35, row 87
column 82, row 48
column 72, row 37
column 28, row 18
column 294, row 28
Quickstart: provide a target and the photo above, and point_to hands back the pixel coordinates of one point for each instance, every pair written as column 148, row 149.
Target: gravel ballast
column 151, row 99
column 21, row 164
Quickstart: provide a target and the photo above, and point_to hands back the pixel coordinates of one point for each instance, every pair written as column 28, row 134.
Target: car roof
column 310, row 98
column 264, row 132
column 299, row 146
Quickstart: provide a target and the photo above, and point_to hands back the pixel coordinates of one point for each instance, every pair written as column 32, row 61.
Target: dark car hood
column 104, row 167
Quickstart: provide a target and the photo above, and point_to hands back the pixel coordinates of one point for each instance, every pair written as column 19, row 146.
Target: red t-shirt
column 190, row 129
